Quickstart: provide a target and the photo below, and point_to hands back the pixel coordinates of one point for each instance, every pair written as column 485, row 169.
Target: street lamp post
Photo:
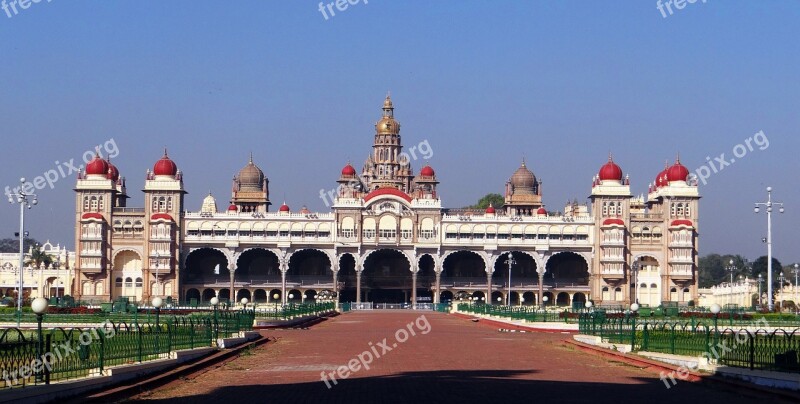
column 715, row 311
column 768, row 204
column 634, row 309
column 39, row 306
column 635, row 267
column 158, row 285
column 157, row 303
column 544, row 302
column 510, row 261
column 214, row 302
column 795, row 271
column 24, row 199
column 781, row 278
column 731, row 268
column 760, row 281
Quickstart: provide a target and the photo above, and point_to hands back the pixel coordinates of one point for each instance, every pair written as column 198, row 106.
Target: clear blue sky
column 484, row 82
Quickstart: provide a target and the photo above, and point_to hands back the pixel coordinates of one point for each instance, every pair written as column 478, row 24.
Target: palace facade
column 387, row 239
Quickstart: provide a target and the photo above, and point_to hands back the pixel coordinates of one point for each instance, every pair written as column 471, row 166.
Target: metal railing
column 65, row 353
column 752, row 347
column 524, row 313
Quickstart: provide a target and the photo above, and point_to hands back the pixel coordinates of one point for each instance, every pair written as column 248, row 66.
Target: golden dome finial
column 387, row 103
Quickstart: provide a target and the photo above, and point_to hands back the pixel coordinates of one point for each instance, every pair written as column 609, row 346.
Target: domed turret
column 251, row 178
column 209, row 204
column 97, row 166
column 113, row 172
column 165, row 166
column 427, row 171
column 523, row 180
column 285, row 208
column 348, row 170
column 678, row 172
column 610, row 171
column 490, row 210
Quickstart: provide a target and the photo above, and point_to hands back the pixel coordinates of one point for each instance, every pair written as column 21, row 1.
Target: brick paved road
column 457, row 361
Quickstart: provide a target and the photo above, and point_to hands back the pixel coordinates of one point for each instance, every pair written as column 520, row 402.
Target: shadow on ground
column 466, row 387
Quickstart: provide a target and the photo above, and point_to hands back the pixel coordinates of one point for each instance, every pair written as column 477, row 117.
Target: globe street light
column 24, row 199
column 510, row 261
column 715, row 309
column 214, row 302
column 544, row 301
column 39, row 306
column 634, row 309
column 157, row 303
column 768, row 204
column 731, row 268
column 781, row 278
column 760, row 281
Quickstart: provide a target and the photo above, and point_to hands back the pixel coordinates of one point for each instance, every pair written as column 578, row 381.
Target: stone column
column 488, row 286
column 437, row 290
column 336, row 286
column 358, row 285
column 414, row 289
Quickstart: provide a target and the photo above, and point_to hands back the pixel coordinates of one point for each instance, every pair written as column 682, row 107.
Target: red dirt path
column 458, row 361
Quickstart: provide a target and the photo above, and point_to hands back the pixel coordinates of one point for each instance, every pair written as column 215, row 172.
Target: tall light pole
column 635, row 268
column 510, row 261
column 768, row 204
column 731, row 268
column 794, row 289
column 24, row 199
column 760, row 281
column 780, row 281
column 158, row 284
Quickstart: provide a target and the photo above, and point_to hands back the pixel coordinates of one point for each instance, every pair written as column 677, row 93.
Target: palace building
column 387, row 238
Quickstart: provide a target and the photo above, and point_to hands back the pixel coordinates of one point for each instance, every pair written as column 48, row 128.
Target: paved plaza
column 437, row 358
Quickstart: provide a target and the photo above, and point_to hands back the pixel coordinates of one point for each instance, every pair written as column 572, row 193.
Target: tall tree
column 39, row 257
column 760, row 267
column 11, row 245
column 495, row 200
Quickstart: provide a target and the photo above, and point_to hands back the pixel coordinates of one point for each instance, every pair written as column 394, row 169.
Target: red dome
column 232, row 208
column 97, row 166
column 348, row 170
column 611, row 221
column 677, row 172
column 113, row 172
column 610, row 171
column 165, row 166
column 284, row 207
column 427, row 171
column 661, row 179
column 681, row 222
column 490, row 209
column 541, row 211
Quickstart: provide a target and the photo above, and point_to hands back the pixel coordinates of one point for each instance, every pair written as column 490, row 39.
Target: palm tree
column 38, row 256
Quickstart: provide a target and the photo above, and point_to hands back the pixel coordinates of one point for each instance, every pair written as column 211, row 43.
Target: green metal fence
column 738, row 347
column 526, row 313
column 68, row 353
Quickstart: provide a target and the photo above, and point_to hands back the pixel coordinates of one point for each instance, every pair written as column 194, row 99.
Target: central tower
column 388, row 166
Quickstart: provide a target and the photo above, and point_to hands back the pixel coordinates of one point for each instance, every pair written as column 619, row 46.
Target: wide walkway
column 438, row 358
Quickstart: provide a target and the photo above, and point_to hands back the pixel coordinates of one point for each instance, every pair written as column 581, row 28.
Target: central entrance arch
column 386, row 277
